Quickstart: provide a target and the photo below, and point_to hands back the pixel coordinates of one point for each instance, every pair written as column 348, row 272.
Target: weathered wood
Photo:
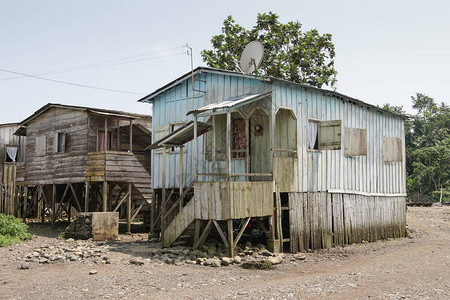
column 204, row 234
column 129, row 209
column 222, row 235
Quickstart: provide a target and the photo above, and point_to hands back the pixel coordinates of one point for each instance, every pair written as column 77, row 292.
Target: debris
column 24, row 266
column 92, row 272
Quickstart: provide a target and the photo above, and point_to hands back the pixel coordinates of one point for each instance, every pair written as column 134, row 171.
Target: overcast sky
column 386, row 51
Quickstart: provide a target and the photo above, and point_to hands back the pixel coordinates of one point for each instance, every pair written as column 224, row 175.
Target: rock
column 237, row 259
column 215, row 262
column 73, row 257
column 299, row 256
column 43, row 260
column 226, row 261
column 92, row 272
column 24, row 266
column 136, row 261
column 200, row 260
column 266, row 253
column 274, row 260
column 153, row 240
column 248, row 252
column 207, row 262
column 190, row 262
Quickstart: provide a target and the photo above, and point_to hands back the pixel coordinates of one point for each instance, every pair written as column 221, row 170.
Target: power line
column 106, row 63
column 71, row 83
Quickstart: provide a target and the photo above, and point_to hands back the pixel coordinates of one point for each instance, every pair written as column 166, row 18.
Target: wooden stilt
column 25, row 203
column 152, row 213
column 105, row 196
column 204, row 235
column 53, row 214
column 86, row 196
column 197, row 225
column 129, row 209
column 222, row 234
column 231, row 244
column 163, row 196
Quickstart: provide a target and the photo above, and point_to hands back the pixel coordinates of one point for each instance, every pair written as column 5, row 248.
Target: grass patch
column 12, row 230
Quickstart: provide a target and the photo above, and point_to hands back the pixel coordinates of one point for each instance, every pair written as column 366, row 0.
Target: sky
column 386, row 51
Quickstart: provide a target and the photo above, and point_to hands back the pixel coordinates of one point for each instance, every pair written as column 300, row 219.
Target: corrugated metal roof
column 230, row 102
column 181, row 136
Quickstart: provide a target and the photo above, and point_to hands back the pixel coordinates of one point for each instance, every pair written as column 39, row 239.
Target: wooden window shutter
column 392, row 149
column 355, row 142
column 330, row 135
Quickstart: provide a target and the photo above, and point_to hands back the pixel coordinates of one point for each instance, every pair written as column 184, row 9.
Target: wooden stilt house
column 86, row 159
column 313, row 168
column 12, row 156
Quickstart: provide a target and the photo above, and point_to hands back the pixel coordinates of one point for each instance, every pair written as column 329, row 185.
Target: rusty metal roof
column 230, row 102
column 181, row 136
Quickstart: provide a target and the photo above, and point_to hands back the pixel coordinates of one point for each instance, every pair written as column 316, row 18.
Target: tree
column 289, row 53
column 427, row 136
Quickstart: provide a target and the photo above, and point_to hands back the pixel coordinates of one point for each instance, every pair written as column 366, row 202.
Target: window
column 101, row 141
column 11, row 153
column 40, row 145
column 174, row 127
column 355, row 142
column 392, row 149
column 286, row 133
column 324, row 135
column 60, row 142
column 218, row 137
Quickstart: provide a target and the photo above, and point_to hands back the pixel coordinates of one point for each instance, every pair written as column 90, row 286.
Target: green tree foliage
column 12, row 230
column 427, row 136
column 289, row 53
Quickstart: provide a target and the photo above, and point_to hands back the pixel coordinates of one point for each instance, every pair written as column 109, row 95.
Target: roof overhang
column 180, row 136
column 228, row 104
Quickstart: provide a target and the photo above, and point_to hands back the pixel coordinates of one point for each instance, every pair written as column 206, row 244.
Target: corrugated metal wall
column 318, row 171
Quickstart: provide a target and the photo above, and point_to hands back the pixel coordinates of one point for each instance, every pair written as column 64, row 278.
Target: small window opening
column 313, row 135
column 11, row 153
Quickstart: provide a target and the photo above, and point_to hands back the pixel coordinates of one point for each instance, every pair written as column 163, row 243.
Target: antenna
column 251, row 57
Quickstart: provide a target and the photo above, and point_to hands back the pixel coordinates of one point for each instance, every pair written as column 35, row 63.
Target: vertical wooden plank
column 53, row 214
column 86, row 196
column 129, row 209
column 230, row 238
column 196, row 149
column 131, row 136
column 105, row 196
column 163, row 193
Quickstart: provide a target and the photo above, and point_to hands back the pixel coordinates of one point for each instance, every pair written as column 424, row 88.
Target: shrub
column 12, row 230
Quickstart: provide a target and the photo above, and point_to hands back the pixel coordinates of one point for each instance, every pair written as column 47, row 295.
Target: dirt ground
column 417, row 267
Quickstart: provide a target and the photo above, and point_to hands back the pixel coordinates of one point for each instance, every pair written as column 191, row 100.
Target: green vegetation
column 289, row 53
column 12, row 230
column 427, row 135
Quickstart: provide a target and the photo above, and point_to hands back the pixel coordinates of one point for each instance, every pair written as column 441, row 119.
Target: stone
column 207, row 262
column 92, row 272
column 226, row 261
column 274, row 260
column 266, row 253
column 73, row 257
column 43, row 260
column 136, row 261
column 153, row 240
column 190, row 262
column 299, row 256
column 24, row 265
column 215, row 262
column 237, row 259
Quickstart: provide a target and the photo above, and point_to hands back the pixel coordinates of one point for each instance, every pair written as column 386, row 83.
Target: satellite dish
column 251, row 57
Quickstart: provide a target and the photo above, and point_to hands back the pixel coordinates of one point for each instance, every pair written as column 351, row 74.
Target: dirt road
column 410, row 268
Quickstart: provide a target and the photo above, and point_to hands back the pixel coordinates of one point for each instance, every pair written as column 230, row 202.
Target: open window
column 355, row 142
column 11, row 153
column 174, row 127
column 324, row 135
column 216, row 139
column 285, row 133
column 60, row 142
column 101, row 141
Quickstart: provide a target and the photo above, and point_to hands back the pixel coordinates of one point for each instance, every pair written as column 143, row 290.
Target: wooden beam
column 75, row 197
column 25, row 200
column 241, row 232
column 205, row 233
column 195, row 150
column 129, row 209
column 86, row 196
column 197, row 230
column 53, row 214
column 136, row 212
column 105, row 196
column 179, row 200
column 222, row 235
column 247, row 147
column 228, row 132
column 163, row 197
column 120, row 202
column 231, row 243
column 118, row 135
column 105, row 137
column 131, row 136
column 261, row 225
column 152, row 213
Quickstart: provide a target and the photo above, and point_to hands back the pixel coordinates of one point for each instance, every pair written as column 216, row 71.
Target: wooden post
column 86, row 196
column 163, row 197
column 152, row 213
column 118, row 134
column 196, row 231
column 131, row 136
column 129, row 209
column 229, row 146
column 105, row 137
column 195, row 150
column 25, row 202
column 105, row 196
column 247, row 148
column 53, row 214
column 230, row 238
column 181, row 177
column 42, row 200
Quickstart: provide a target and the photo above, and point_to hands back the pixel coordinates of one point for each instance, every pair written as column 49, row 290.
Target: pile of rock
column 213, row 254
column 69, row 251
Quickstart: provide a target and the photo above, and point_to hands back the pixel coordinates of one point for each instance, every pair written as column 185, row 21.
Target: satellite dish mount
column 251, row 57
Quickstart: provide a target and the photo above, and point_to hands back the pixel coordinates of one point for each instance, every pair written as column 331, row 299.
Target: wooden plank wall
column 322, row 220
column 233, row 200
column 8, row 192
column 7, row 137
column 55, row 168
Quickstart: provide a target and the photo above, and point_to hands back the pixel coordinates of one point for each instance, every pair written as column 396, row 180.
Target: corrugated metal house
column 316, row 167
column 87, row 158
column 12, row 156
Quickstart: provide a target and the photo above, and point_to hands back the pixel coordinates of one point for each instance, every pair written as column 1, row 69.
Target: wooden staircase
column 179, row 224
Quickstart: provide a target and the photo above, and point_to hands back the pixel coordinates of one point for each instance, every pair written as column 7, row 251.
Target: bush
column 12, row 230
